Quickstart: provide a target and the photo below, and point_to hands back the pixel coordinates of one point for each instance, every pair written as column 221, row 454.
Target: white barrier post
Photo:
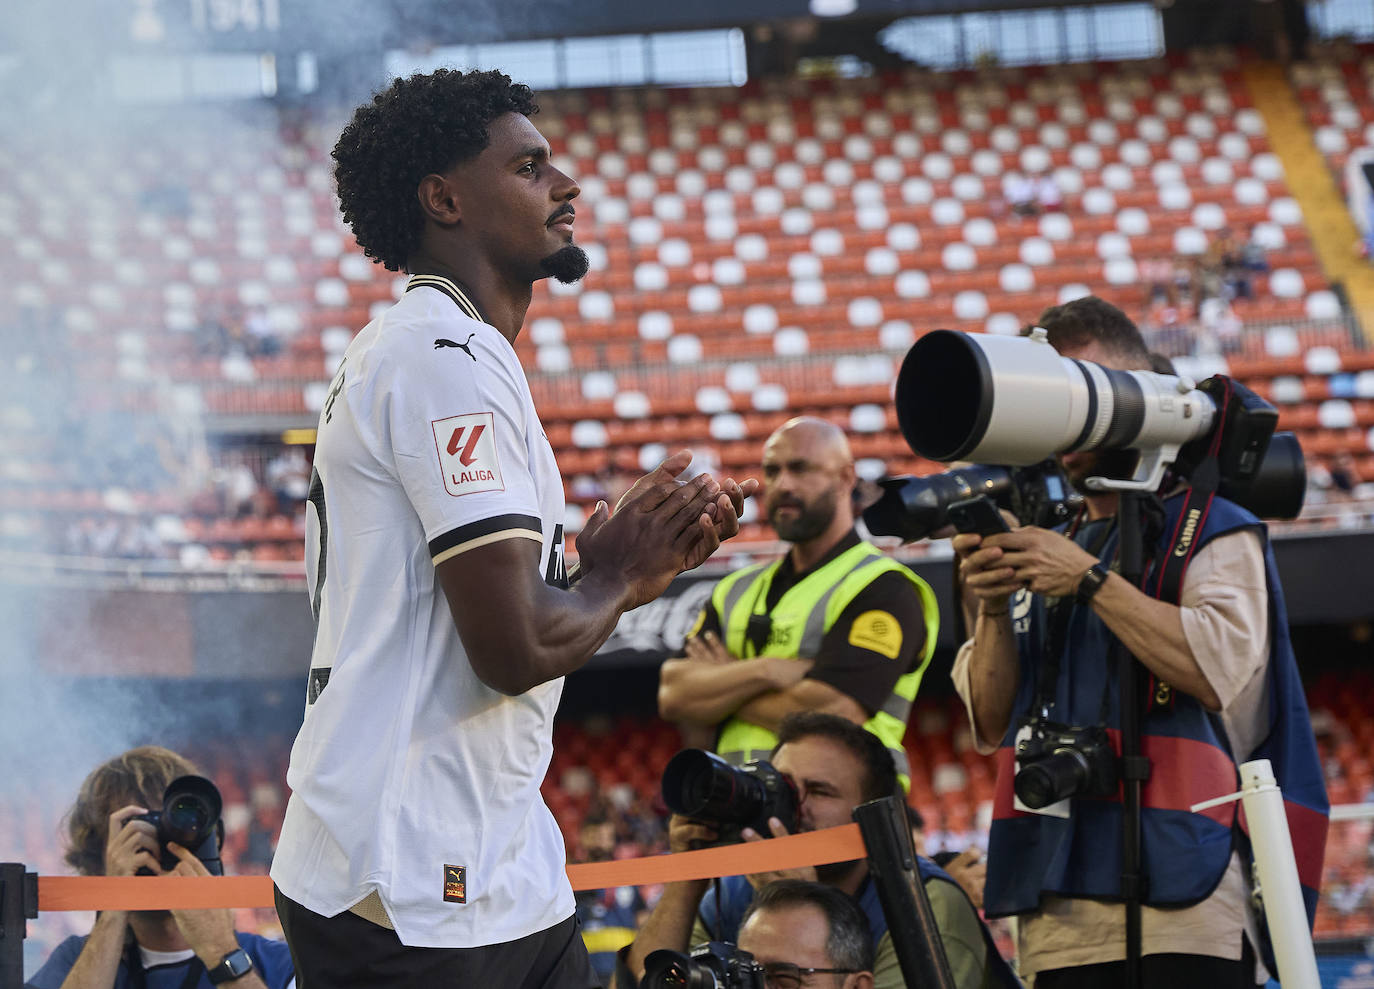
column 1278, row 876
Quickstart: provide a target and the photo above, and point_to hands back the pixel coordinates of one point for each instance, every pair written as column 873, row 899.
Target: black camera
column 715, row 965
column 189, row 817
column 914, row 507
column 701, row 784
column 1060, row 761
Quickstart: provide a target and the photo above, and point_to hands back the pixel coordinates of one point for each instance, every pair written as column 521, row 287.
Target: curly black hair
column 417, row 126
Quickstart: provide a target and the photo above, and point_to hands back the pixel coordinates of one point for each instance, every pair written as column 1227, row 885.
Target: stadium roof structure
column 327, row 26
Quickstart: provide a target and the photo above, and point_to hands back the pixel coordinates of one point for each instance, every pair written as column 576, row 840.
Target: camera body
column 914, row 507
column 190, row 817
column 702, row 785
column 714, row 965
column 1059, row 761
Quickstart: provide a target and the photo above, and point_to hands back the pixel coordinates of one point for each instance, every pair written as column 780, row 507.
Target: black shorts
column 347, row 951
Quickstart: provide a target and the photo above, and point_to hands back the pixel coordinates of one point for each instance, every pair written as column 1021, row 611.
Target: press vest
column 1184, row 854
column 800, row 620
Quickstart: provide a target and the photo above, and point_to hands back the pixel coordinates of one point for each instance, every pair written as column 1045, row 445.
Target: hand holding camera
column 761, row 879
column 1045, row 562
column 131, row 844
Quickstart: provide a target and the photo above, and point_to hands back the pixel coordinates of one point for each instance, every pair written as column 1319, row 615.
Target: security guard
column 835, row 625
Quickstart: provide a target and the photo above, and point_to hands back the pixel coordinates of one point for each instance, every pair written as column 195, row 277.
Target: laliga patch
column 879, row 631
column 467, row 453
column 455, row 884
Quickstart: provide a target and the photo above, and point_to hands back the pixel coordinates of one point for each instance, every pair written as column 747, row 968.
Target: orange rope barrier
column 838, row 844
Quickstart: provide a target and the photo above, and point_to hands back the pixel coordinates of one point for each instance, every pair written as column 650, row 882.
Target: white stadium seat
column 655, row 325
column 1322, row 304
column 1016, row 278
column 958, row 256
column 684, row 348
column 970, row 305
column 1036, row 252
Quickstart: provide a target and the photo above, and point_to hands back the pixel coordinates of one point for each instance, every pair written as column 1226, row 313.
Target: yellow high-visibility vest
column 800, row 620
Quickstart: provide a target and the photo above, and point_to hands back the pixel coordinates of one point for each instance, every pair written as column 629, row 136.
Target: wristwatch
column 1090, row 583
column 234, row 965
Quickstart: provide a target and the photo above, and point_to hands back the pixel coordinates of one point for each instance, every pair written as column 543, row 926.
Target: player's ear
column 439, row 199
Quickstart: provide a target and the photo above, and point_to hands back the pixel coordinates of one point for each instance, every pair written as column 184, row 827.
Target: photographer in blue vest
column 834, row 626
column 1044, row 608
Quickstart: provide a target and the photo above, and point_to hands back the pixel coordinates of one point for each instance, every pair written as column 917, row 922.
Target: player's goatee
column 567, row 264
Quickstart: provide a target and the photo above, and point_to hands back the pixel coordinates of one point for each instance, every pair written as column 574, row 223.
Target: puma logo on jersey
column 455, row 884
column 441, row 342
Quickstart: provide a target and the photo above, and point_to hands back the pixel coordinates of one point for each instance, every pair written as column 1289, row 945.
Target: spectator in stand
column 609, row 917
column 150, row 949
column 1253, row 257
column 237, row 485
column 1020, row 193
column 1184, row 289
column 1154, row 274
column 288, row 475
column 1047, row 194
column 260, row 335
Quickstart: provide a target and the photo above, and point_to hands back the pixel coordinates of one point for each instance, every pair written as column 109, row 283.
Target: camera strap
column 1197, row 504
column 1058, row 613
column 1166, row 583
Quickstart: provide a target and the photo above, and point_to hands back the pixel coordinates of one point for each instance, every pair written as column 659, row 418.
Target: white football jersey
column 410, row 777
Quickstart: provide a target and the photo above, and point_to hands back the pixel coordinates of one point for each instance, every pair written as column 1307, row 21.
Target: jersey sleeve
column 459, row 433
column 875, row 640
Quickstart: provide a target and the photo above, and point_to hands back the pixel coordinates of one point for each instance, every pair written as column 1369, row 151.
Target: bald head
column 809, row 473
column 821, row 441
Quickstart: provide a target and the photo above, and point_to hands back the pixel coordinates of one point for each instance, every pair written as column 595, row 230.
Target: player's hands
column 669, row 470
column 971, row 873
column 687, row 834
column 760, row 879
column 1044, row 562
column 725, row 513
column 130, row 845
column 982, row 568
column 647, row 541
column 724, row 510
column 210, row 933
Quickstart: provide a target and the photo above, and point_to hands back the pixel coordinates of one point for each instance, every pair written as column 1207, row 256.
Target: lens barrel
column 1059, row 775
column 1015, row 401
column 701, row 784
column 190, row 807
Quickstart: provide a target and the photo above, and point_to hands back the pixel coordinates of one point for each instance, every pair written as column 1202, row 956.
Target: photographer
column 796, row 929
column 835, row 765
column 153, row 949
column 834, row 626
column 1219, row 663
